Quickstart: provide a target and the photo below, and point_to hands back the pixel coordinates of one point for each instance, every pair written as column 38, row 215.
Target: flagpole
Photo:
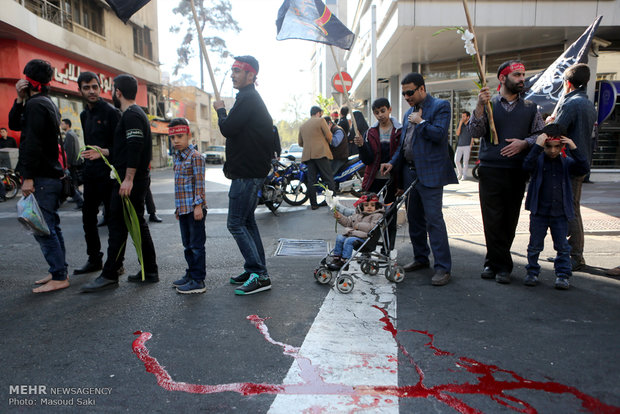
column 481, row 72
column 203, row 48
column 344, row 88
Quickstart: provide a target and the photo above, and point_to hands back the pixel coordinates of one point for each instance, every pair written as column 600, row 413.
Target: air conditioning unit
column 152, row 98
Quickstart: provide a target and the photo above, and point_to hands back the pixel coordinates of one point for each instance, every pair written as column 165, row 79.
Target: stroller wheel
column 373, row 267
column 365, row 267
column 395, row 274
column 344, row 284
column 323, row 275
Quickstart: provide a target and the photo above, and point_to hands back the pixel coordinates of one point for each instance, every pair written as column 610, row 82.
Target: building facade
column 76, row 36
column 534, row 31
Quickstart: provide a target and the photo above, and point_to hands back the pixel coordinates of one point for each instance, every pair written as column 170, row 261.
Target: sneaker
column 577, row 264
column 253, row 285
column 241, row 279
column 193, row 286
column 502, row 277
column 185, row 279
column 561, row 283
column 530, row 280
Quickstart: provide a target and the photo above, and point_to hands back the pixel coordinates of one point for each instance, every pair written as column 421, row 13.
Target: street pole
column 373, row 54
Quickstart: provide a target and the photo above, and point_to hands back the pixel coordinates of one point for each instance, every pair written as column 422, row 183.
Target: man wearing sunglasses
column 423, row 155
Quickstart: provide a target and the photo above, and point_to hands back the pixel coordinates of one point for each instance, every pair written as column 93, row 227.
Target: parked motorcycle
column 11, row 181
column 272, row 192
column 474, row 171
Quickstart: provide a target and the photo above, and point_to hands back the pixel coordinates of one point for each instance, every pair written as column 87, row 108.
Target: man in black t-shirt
column 99, row 120
column 131, row 155
column 5, row 140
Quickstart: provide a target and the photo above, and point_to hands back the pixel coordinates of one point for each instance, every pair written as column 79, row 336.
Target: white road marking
column 349, row 346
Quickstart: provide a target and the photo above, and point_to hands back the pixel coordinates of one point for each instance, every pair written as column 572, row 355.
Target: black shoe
column 487, row 273
column 413, row 266
column 254, row 285
column 440, row 278
column 153, row 218
column 502, row 277
column 336, row 264
column 314, row 207
column 101, row 283
column 241, row 279
column 148, row 278
column 89, row 267
column 577, row 264
column 2, row 199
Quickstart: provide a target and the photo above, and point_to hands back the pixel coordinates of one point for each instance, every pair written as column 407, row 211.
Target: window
column 86, row 13
column 142, row 42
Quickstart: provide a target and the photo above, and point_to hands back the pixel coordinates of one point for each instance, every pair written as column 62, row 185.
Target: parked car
column 215, row 154
column 294, row 150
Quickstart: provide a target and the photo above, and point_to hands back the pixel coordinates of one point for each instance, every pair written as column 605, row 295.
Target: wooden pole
column 344, row 88
column 483, row 81
column 203, row 49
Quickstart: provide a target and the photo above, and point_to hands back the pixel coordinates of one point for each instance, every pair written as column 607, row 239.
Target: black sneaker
column 241, row 279
column 530, row 280
column 148, row 278
column 253, row 285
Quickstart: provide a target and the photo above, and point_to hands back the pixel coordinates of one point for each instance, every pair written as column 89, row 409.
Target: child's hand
column 541, row 139
column 567, row 141
column 198, row 214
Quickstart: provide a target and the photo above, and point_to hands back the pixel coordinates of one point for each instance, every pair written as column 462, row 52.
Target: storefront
column 64, row 92
column 607, row 142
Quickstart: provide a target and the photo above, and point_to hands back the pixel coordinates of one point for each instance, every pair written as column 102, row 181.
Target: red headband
column 36, row 85
column 366, row 199
column 244, row 66
column 511, row 68
column 178, row 129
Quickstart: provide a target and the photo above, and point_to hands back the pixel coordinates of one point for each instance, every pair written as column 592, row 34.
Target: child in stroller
column 369, row 211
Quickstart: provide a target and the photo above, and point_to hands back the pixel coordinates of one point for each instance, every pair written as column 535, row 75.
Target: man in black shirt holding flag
column 131, row 154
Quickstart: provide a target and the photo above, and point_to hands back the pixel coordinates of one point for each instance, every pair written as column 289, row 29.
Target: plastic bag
column 30, row 216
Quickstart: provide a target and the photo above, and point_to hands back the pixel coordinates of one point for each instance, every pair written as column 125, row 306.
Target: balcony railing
column 50, row 11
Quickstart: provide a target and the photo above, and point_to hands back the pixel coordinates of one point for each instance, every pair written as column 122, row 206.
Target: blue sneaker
column 185, row 279
column 561, row 283
column 254, row 285
column 193, row 286
column 530, row 280
column 241, row 279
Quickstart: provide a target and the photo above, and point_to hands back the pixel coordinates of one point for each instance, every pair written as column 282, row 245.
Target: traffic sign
column 337, row 82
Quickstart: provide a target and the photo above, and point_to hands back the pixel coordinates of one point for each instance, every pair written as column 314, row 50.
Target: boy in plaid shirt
column 191, row 207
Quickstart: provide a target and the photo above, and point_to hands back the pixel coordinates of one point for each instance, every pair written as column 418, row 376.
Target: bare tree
column 212, row 14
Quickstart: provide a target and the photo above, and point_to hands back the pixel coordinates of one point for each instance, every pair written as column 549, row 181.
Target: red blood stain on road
column 314, row 384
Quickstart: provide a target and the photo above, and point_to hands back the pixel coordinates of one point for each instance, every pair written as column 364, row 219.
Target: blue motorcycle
column 348, row 179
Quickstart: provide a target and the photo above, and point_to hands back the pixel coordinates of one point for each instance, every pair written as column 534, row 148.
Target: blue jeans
column 538, row 231
column 47, row 193
column 193, row 236
column 344, row 246
column 242, row 201
column 426, row 218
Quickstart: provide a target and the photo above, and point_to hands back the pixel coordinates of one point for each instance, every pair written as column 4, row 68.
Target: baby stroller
column 372, row 255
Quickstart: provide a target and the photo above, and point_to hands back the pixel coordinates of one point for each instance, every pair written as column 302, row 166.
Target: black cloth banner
column 124, row 9
column 312, row 20
column 545, row 88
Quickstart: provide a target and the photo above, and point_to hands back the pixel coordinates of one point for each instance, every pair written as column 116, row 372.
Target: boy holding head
column 191, row 207
column 549, row 199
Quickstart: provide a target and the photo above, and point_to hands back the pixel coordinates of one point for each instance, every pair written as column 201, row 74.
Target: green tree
column 212, row 14
column 327, row 104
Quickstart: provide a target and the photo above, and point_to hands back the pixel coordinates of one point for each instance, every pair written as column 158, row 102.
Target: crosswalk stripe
column 348, row 345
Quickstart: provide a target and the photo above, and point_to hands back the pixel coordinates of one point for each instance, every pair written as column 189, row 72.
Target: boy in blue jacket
column 549, row 199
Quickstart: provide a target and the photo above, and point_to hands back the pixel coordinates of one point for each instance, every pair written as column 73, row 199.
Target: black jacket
column 248, row 129
column 39, row 121
column 98, row 125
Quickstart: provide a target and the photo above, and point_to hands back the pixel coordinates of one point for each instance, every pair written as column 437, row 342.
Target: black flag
column 545, row 88
column 312, row 20
column 124, row 9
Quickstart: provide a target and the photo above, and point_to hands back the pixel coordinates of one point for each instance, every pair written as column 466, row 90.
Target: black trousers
column 323, row 166
column 117, row 239
column 501, row 193
column 150, row 204
column 96, row 192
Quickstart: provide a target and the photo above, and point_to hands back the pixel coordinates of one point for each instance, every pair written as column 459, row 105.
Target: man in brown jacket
column 315, row 137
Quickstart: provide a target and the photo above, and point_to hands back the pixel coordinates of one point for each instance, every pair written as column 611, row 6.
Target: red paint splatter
column 313, row 384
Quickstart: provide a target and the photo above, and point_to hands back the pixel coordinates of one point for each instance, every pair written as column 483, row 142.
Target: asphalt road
column 471, row 346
